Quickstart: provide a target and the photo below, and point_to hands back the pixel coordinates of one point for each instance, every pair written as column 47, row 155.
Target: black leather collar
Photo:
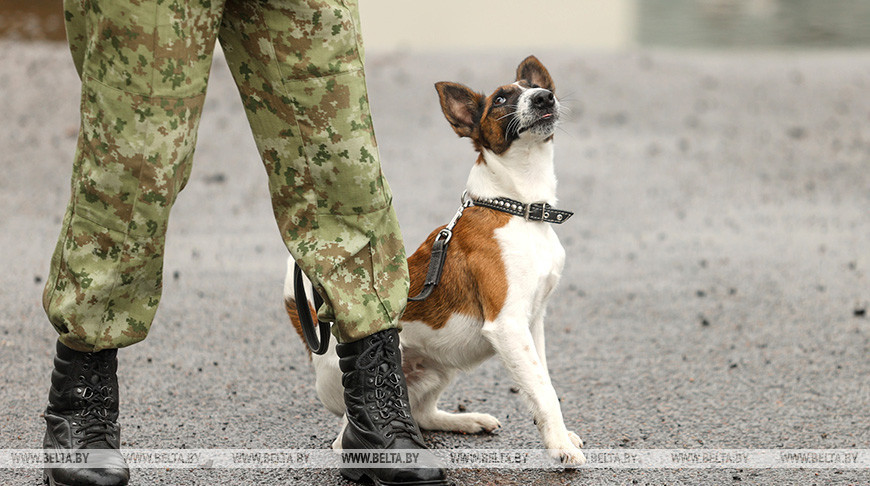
column 539, row 211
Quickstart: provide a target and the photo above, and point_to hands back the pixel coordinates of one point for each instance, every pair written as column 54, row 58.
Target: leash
column 317, row 345
column 439, row 252
column 539, row 211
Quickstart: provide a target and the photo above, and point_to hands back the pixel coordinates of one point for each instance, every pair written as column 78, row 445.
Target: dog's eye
column 499, row 100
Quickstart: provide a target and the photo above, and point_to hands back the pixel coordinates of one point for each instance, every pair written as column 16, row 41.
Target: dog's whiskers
column 513, row 124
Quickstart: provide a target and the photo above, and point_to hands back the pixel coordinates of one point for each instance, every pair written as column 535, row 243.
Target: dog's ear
column 461, row 106
column 534, row 72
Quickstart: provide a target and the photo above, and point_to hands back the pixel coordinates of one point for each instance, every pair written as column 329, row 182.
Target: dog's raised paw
column 575, row 439
column 468, row 422
column 475, row 423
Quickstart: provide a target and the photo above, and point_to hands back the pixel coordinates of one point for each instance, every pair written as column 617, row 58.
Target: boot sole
column 356, row 475
column 49, row 481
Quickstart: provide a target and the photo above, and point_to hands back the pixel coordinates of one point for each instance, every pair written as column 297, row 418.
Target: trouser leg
column 144, row 68
column 299, row 69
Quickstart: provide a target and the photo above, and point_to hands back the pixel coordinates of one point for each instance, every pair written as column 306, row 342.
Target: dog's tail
column 290, row 302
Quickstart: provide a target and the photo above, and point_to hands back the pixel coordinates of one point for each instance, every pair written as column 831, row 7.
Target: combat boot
column 379, row 413
column 82, row 420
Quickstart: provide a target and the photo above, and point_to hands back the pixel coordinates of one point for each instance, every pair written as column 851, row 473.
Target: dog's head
column 526, row 110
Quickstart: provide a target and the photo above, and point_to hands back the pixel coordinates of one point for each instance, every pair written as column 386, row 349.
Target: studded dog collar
column 539, row 211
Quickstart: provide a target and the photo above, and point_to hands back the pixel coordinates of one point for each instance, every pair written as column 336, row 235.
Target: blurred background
column 568, row 24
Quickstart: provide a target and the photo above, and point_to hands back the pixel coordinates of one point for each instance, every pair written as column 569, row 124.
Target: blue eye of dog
column 500, row 100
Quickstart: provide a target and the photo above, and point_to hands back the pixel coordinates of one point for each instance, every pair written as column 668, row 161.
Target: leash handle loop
column 317, row 345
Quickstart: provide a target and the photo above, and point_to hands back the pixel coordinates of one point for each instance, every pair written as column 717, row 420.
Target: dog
column 500, row 270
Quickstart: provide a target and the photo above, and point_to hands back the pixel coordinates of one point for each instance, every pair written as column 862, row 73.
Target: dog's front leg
column 513, row 343
column 538, row 338
column 540, row 347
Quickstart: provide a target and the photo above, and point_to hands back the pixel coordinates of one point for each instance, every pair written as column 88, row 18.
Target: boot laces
column 95, row 389
column 390, row 407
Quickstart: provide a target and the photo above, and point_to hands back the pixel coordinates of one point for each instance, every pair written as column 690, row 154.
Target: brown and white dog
column 499, row 273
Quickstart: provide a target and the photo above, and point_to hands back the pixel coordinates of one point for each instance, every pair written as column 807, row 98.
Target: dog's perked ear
column 535, row 73
column 461, row 106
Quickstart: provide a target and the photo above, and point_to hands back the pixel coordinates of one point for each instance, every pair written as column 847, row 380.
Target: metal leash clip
column 447, row 232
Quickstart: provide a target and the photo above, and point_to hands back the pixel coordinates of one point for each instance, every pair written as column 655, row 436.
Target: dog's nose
column 543, row 99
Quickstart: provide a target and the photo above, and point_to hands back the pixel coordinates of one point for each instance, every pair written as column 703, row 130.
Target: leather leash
column 317, row 345
column 439, row 252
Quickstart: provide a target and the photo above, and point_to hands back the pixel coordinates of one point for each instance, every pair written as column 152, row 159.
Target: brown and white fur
column 500, row 269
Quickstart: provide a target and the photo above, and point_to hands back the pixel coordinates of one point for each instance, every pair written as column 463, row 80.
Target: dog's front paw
column 575, row 439
column 570, row 456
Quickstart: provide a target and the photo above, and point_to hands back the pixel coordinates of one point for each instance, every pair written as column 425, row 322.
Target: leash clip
column 466, row 200
column 466, row 203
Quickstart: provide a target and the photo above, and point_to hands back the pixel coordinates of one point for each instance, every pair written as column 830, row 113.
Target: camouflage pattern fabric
column 144, row 67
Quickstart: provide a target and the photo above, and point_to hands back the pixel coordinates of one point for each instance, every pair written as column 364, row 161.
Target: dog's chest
column 533, row 259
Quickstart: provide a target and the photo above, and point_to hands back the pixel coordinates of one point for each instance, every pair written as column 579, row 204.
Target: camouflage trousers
column 144, row 66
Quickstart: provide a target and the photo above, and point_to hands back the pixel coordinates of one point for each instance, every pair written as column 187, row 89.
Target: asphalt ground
column 714, row 295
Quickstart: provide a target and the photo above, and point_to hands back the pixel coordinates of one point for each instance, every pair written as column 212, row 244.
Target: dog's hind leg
column 425, row 386
column 336, row 444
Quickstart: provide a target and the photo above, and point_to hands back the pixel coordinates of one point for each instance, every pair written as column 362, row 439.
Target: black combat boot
column 379, row 414
column 82, row 420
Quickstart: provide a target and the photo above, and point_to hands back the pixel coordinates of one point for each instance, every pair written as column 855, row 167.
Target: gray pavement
column 717, row 264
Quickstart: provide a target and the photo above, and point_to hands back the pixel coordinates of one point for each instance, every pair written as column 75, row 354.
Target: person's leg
column 299, row 69
column 144, row 68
